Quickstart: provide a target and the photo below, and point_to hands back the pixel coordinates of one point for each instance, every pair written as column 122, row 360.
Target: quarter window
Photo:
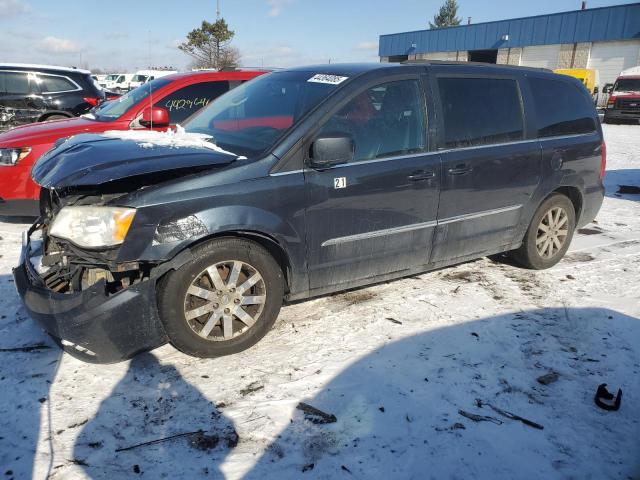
column 184, row 102
column 561, row 108
column 480, row 111
column 50, row 83
column 383, row 121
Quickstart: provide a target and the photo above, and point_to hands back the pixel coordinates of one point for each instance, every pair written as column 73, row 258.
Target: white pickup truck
column 144, row 76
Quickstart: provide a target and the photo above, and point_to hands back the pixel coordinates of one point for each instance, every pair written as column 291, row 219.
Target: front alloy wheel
column 222, row 301
column 225, row 300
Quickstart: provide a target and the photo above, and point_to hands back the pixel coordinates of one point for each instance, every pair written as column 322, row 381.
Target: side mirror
column 331, row 150
column 154, row 116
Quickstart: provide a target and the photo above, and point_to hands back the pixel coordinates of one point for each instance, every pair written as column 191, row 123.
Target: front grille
column 632, row 105
column 32, row 276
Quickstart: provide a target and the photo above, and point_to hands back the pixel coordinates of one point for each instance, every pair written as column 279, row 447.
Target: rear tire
column 223, row 301
column 51, row 118
column 549, row 234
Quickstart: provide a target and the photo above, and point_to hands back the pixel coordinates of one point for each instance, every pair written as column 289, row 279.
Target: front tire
column 549, row 234
column 224, row 300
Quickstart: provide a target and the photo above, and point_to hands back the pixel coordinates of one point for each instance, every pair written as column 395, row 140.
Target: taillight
column 603, row 159
column 93, row 101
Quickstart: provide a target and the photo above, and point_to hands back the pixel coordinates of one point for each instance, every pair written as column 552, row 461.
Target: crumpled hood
column 88, row 159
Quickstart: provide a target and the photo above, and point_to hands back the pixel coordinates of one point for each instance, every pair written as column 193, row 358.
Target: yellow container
column 588, row 76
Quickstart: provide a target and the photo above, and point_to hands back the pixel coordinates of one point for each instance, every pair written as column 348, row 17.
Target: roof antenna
column 149, row 83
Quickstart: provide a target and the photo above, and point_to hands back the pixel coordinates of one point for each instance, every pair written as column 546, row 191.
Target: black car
column 37, row 93
column 302, row 183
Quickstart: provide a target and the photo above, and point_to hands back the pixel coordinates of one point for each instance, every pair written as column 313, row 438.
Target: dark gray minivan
column 301, row 183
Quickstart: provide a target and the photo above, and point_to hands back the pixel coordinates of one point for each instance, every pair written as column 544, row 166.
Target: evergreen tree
column 210, row 46
column 446, row 17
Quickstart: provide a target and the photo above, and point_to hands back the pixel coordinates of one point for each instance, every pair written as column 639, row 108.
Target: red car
column 158, row 104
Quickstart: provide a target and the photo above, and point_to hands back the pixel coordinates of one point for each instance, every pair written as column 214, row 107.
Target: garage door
column 610, row 58
column 541, row 56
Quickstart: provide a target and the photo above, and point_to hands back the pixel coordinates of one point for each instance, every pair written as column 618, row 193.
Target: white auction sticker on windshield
column 325, row 78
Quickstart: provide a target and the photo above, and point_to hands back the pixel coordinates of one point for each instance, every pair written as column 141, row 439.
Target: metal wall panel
column 620, row 22
column 540, row 56
column 610, row 58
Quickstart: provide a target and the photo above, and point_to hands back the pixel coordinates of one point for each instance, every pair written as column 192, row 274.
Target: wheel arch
column 270, row 243
column 574, row 194
column 50, row 113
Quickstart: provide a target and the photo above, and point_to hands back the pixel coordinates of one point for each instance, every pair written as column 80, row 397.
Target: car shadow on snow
column 155, row 423
column 623, row 184
column 401, row 409
column 28, row 363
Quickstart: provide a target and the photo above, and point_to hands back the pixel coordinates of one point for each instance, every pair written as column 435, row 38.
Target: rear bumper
column 592, row 202
column 19, row 208
column 92, row 325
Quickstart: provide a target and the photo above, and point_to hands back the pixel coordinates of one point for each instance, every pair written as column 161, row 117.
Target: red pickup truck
column 624, row 101
column 158, row 104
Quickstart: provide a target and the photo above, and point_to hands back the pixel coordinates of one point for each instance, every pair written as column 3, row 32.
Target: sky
column 121, row 35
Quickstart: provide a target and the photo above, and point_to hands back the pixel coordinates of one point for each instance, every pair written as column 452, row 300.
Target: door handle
column 461, row 169
column 421, row 175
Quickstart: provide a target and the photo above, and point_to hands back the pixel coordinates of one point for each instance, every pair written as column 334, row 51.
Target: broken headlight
column 11, row 156
column 177, row 230
column 93, row 227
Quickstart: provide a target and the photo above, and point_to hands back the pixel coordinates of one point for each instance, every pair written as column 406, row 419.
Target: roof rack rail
column 35, row 66
column 459, row 62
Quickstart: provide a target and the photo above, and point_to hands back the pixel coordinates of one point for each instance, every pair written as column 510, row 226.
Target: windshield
column 139, row 78
column 627, row 85
column 111, row 77
column 251, row 118
column 114, row 109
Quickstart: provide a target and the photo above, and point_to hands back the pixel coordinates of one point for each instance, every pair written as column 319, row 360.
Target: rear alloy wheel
column 549, row 234
column 224, row 300
column 552, row 232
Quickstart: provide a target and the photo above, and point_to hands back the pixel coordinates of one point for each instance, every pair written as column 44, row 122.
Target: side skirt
column 367, row 282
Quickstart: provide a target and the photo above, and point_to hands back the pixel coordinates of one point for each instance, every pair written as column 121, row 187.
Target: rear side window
column 14, row 83
column 184, row 102
column 52, row 84
column 480, row 111
column 561, row 108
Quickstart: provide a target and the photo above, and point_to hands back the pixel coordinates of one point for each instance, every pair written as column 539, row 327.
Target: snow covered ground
column 394, row 363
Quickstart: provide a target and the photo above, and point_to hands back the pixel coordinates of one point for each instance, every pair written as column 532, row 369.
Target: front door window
column 383, row 121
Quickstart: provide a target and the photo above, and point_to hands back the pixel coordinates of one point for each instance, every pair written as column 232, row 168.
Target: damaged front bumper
column 91, row 324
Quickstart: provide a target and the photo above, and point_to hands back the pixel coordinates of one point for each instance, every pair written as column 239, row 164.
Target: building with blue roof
column 606, row 39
